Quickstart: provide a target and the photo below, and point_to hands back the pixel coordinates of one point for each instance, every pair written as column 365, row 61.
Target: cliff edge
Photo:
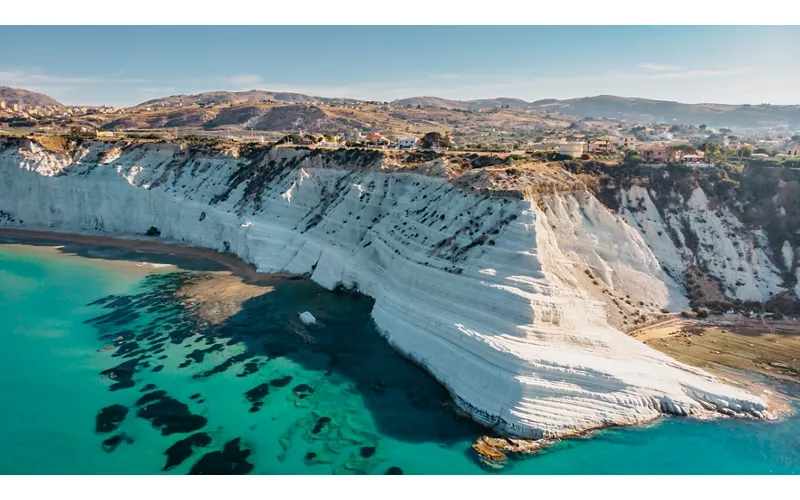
column 510, row 283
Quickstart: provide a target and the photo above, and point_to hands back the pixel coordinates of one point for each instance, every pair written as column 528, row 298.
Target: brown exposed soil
column 752, row 354
column 55, row 143
column 219, row 296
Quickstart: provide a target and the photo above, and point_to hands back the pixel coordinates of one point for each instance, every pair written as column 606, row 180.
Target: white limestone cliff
column 727, row 250
column 509, row 302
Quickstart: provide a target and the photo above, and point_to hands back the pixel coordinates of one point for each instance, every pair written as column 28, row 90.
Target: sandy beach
column 234, row 264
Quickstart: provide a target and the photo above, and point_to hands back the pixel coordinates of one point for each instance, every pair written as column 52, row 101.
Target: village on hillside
column 383, row 125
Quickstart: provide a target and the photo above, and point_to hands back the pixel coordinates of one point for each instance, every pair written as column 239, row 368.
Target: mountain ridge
column 626, row 109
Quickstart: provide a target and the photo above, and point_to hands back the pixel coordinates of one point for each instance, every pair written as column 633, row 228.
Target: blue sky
column 126, row 65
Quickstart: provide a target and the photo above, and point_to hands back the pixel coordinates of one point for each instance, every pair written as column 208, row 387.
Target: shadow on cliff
column 405, row 402
column 342, row 350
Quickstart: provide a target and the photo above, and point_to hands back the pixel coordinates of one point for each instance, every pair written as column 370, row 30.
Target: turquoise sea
column 260, row 394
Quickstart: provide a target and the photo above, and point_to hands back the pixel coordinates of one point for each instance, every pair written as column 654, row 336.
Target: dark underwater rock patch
column 321, row 423
column 302, row 391
column 257, row 393
column 122, row 374
column 150, row 397
column 281, row 382
column 122, row 384
column 126, row 348
column 225, row 365
column 394, row 471
column 367, row 451
column 157, row 368
column 195, row 396
column 183, row 449
column 148, row 387
column 231, row 460
column 198, row 355
column 154, row 347
column 111, row 444
column 109, row 418
column 171, row 416
column 248, row 369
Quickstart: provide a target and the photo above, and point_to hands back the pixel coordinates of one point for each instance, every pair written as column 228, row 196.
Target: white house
column 355, row 136
column 407, row 143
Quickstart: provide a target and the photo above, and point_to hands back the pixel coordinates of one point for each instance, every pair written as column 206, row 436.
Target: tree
column 709, row 148
column 435, row 139
column 796, row 138
column 632, row 158
column 703, row 126
column 684, row 148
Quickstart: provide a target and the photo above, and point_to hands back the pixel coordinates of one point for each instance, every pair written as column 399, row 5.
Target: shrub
column 153, row 231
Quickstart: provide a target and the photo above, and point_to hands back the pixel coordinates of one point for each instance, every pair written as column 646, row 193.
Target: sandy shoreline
column 233, row 263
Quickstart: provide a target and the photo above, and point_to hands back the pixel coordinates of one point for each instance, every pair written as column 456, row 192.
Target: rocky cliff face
column 513, row 299
column 731, row 239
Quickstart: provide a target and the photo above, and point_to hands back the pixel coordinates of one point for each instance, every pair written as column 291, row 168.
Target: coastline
column 231, row 262
column 493, row 452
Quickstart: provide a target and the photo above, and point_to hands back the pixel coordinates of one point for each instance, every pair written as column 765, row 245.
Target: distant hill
column 223, row 97
column 633, row 109
column 650, row 110
column 253, row 109
column 27, row 98
column 438, row 102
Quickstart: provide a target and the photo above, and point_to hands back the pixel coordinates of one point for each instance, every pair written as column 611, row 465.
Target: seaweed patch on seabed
column 348, row 368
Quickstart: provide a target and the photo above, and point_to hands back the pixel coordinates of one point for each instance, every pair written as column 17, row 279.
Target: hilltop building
column 624, row 142
column 599, row 146
column 660, row 154
column 407, row 143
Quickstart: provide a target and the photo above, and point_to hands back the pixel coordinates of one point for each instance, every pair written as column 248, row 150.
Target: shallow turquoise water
column 370, row 409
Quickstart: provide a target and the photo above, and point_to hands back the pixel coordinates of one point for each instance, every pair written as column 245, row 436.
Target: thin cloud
column 245, row 80
column 699, row 73
column 658, row 67
column 22, row 78
column 155, row 90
